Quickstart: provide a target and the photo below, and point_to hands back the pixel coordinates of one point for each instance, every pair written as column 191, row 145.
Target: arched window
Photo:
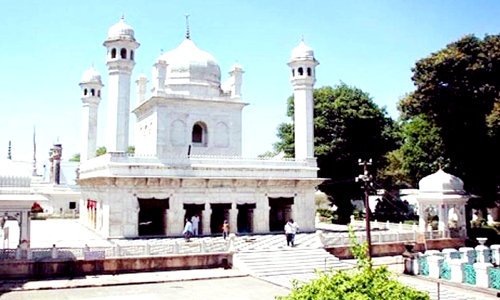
column 113, row 53
column 92, row 91
column 85, row 92
column 309, row 73
column 301, row 71
column 197, row 136
column 293, row 72
column 99, row 93
column 131, row 54
column 123, row 53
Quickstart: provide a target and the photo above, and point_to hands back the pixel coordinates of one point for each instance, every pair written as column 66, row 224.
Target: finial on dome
column 188, row 36
column 302, row 38
column 123, row 16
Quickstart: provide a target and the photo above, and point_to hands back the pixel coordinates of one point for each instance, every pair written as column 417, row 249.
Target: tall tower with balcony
column 91, row 86
column 121, row 46
column 303, row 77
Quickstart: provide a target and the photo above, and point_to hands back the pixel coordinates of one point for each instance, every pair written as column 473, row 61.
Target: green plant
column 363, row 283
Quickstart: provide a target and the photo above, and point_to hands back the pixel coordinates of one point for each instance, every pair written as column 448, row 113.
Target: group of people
column 192, row 226
column 191, row 229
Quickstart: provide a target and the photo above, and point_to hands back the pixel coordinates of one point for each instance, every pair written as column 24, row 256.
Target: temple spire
column 9, row 151
column 188, row 36
column 34, row 150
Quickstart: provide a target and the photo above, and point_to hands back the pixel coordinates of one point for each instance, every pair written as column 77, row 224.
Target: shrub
column 363, row 283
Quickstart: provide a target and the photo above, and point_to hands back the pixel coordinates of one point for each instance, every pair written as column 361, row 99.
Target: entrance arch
column 152, row 216
column 280, row 212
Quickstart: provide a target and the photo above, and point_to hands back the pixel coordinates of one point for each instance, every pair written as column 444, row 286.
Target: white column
column 261, row 217
column 159, row 76
column 441, row 215
column 422, row 222
column 233, row 218
column 495, row 254
column 140, row 89
column 304, row 121
column 118, row 111
column 205, row 219
column 24, row 226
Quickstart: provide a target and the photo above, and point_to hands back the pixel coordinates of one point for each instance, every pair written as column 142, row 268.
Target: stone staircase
column 288, row 261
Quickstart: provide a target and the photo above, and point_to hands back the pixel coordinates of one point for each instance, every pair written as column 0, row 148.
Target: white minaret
column 121, row 47
column 303, row 77
column 140, row 88
column 91, row 85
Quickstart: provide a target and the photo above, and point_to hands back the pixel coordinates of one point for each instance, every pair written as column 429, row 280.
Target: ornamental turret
column 303, row 77
column 121, row 46
column 91, row 86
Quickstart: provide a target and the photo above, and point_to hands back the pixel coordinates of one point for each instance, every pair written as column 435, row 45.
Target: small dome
column 121, row 30
column 142, row 76
column 13, row 174
column 441, row 182
column 236, row 66
column 302, row 51
column 91, row 76
column 189, row 62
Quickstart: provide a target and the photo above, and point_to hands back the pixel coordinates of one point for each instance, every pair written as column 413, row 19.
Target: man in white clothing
column 195, row 220
column 291, row 229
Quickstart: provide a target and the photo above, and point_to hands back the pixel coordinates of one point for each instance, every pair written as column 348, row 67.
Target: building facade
column 188, row 138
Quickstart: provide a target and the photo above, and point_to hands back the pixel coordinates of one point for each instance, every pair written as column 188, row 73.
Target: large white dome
column 441, row 182
column 191, row 63
column 121, row 30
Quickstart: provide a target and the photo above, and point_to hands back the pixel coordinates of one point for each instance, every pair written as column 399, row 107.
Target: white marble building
column 188, row 138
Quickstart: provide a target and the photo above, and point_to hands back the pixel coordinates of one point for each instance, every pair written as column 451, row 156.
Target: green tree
column 457, row 99
column 348, row 126
column 76, row 157
column 420, row 153
column 101, row 151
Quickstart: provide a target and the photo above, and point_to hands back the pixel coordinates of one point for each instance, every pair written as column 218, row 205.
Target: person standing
column 291, row 229
column 195, row 220
column 225, row 229
column 188, row 230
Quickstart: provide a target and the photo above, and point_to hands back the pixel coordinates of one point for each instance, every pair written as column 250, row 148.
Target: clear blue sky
column 46, row 46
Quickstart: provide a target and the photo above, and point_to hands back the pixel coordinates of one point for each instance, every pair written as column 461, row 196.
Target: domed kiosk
column 439, row 194
column 16, row 200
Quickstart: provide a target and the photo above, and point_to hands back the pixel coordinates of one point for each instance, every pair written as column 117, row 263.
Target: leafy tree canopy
column 454, row 113
column 348, row 126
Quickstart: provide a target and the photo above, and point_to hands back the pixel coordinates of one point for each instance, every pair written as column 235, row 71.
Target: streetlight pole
column 366, row 178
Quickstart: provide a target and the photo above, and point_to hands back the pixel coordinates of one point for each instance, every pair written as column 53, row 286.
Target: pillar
column 482, row 274
column 233, row 218
column 434, row 262
column 422, row 222
column 261, row 217
column 457, row 270
column 205, row 219
column 24, row 226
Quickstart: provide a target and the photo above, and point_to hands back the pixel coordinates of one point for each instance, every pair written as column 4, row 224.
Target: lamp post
column 367, row 179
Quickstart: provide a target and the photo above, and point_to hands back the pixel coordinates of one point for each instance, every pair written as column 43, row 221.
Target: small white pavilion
column 16, row 200
column 441, row 193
